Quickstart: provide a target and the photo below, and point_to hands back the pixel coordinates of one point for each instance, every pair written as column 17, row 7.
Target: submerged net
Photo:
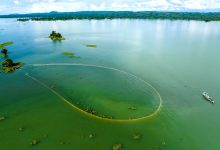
column 98, row 91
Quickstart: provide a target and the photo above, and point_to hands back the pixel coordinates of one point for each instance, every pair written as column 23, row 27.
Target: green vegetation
column 163, row 143
column 62, row 142
column 106, row 116
column 34, row 142
column 21, row 129
column 136, row 136
column 5, row 44
column 91, row 46
column 210, row 16
column 132, row 108
column 4, row 51
column 56, row 36
column 23, row 19
column 91, row 136
column 91, row 111
column 70, row 55
column 117, row 147
column 94, row 112
column 7, row 65
column 2, row 118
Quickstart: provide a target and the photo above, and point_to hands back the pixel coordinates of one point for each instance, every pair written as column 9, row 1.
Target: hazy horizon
column 35, row 6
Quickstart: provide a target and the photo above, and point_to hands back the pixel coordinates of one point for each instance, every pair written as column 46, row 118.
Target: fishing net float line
column 153, row 114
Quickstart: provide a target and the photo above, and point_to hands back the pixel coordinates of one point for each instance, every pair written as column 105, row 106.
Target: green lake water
column 140, row 61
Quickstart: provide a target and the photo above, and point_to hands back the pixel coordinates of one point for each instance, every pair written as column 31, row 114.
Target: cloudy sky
column 30, row 6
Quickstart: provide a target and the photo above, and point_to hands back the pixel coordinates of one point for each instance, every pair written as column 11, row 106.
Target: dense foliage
column 56, row 36
column 6, row 64
column 211, row 16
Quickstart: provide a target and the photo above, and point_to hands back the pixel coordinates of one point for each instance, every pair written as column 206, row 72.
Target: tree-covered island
column 7, row 64
column 55, row 36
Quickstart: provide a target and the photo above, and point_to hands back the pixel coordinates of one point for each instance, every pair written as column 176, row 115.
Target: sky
column 33, row 6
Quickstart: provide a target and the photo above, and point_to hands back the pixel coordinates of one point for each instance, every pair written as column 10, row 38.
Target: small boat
column 207, row 97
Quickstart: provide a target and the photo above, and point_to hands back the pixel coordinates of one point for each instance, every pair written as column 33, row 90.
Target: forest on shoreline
column 53, row 16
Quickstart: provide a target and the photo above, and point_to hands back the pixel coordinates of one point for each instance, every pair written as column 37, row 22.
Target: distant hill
column 204, row 16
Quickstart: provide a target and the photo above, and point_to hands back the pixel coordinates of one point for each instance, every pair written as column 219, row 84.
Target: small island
column 55, row 36
column 23, row 19
column 70, row 55
column 7, row 65
column 91, row 45
column 4, row 51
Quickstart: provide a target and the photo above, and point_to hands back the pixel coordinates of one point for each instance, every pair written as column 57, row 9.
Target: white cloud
column 201, row 4
column 135, row 5
column 176, row 1
column 2, row 8
column 16, row 1
column 26, row 6
column 51, row 5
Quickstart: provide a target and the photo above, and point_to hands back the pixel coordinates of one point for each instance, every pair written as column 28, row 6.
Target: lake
column 140, row 87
